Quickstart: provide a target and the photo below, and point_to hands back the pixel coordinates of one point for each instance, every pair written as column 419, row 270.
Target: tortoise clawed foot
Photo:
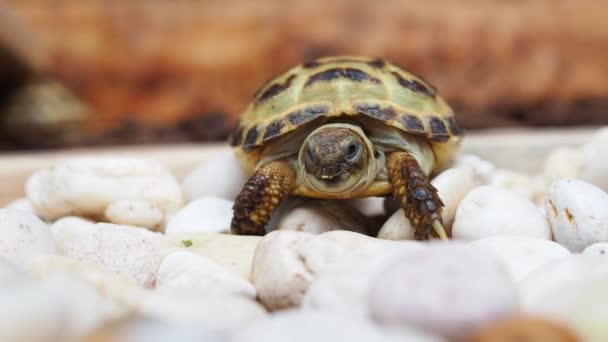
column 439, row 230
column 260, row 197
column 418, row 197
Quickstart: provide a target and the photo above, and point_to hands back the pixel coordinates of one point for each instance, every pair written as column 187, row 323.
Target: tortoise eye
column 309, row 154
column 352, row 151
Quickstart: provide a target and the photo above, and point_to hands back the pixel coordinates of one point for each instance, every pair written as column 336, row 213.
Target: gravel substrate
column 107, row 248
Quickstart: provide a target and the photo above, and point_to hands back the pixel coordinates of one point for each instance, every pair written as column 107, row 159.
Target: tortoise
column 344, row 127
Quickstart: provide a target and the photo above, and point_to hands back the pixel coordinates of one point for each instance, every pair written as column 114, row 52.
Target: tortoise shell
column 346, row 88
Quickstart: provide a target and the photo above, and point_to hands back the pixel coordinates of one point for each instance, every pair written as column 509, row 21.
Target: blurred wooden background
column 183, row 70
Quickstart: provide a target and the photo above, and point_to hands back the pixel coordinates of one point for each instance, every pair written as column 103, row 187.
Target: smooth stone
column 60, row 307
column 532, row 188
column 139, row 329
column 183, row 271
column 84, row 307
column 521, row 254
column 562, row 163
column 343, row 287
column 566, row 272
column 369, row 206
column 281, row 273
column 23, row 236
column 320, row 216
column 352, row 243
column 87, row 186
column 220, row 176
column 482, row 169
column 526, row 329
column 578, row 213
column 233, row 252
column 135, row 213
column 571, row 290
column 126, row 250
column 305, row 326
column 31, row 311
column 286, row 262
column 397, row 227
column 594, row 168
column 491, row 211
column 22, row 204
column 598, row 248
column 205, row 214
column 452, row 185
column 70, row 227
column 211, row 312
column 123, row 290
column 447, row 288
column 9, row 272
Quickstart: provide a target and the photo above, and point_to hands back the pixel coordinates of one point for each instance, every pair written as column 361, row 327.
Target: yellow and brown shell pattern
column 349, row 87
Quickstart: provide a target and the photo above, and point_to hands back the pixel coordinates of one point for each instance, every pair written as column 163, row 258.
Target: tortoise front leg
column 260, row 196
column 417, row 195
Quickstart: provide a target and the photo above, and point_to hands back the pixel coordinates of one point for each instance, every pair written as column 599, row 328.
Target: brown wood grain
column 498, row 62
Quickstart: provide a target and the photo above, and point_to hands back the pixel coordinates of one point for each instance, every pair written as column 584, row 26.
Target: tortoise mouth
column 333, row 181
column 344, row 182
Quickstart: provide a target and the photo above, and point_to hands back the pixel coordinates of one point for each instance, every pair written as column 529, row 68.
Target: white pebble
column 449, row 289
column 85, row 308
column 490, row 211
column 212, row 312
column 306, row 326
column 87, row 186
column 123, row 290
column 23, row 236
column 71, row 223
column 137, row 329
column 598, row 248
column 538, row 287
column 205, row 214
column 31, row 311
column 135, row 213
column 594, row 168
column 280, row 272
column 369, row 206
column 124, row 249
column 562, row 163
column 58, row 307
column 531, row 187
column 285, row 262
column 233, row 252
column 319, row 216
column 9, row 272
column 22, row 204
column 189, row 272
column 521, row 254
column 397, row 227
column 482, row 169
column 452, row 185
column 343, row 287
column 571, row 290
column 578, row 213
column 220, row 176
column 351, row 243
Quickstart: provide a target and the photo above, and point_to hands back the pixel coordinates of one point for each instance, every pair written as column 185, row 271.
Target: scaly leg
column 417, row 195
column 260, row 196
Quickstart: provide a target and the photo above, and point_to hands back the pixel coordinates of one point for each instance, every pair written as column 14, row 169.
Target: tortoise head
column 335, row 158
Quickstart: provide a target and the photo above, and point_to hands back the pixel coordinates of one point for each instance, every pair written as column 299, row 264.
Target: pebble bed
column 119, row 249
